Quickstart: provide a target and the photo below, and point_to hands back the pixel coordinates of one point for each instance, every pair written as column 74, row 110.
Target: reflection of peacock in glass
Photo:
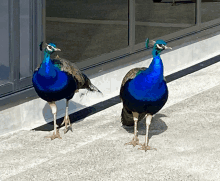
column 144, row 92
column 56, row 79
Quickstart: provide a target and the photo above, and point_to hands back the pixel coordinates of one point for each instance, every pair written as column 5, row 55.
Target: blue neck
column 156, row 53
column 47, row 68
column 155, row 69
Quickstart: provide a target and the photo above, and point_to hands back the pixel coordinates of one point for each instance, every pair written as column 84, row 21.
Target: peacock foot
column 134, row 141
column 57, row 135
column 146, row 147
column 67, row 121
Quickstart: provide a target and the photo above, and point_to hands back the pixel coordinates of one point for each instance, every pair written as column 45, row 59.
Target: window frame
column 16, row 83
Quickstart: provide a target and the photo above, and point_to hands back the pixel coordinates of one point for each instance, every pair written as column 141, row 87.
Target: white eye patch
column 159, row 46
column 49, row 47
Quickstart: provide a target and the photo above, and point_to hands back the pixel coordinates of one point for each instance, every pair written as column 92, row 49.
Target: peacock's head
column 158, row 46
column 49, row 48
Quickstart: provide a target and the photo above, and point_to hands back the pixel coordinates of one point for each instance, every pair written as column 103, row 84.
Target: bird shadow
column 78, row 115
column 157, row 126
column 61, row 107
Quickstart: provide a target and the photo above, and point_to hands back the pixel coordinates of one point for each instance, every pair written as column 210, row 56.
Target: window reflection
column 4, row 47
column 156, row 19
column 210, row 10
column 85, row 29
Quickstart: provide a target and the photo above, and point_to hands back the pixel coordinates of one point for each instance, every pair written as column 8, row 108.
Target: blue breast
column 52, row 84
column 143, row 88
column 147, row 92
column 48, row 83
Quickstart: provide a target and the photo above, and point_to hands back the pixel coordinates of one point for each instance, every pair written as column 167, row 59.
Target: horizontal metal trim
column 116, row 22
column 169, row 25
column 86, row 21
column 6, row 88
column 24, row 82
column 18, row 97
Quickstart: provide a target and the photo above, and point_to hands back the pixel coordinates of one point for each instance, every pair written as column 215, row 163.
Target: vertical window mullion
column 131, row 25
column 31, row 65
column 198, row 12
column 44, row 20
column 38, row 34
column 14, row 45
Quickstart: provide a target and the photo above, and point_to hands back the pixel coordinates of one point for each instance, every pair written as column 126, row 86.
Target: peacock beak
column 57, row 49
column 167, row 47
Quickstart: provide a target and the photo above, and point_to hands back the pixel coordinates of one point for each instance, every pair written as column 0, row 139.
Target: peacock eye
column 49, row 47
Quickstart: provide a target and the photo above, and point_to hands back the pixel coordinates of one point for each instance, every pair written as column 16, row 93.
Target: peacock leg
column 145, row 145
column 66, row 119
column 56, row 133
column 135, row 140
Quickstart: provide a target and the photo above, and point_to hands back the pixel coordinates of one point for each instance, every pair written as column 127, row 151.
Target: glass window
column 4, row 46
column 85, row 29
column 24, row 39
column 156, row 18
column 210, row 10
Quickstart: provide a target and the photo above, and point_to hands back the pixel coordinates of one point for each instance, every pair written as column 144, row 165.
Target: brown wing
column 83, row 82
column 130, row 75
column 72, row 69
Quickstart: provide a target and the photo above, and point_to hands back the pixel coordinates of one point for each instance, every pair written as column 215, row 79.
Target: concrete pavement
column 185, row 133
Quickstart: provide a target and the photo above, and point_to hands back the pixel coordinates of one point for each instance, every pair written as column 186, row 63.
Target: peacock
column 143, row 93
column 56, row 79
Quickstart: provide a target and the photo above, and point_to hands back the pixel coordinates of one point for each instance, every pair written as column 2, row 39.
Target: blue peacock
column 143, row 93
column 57, row 79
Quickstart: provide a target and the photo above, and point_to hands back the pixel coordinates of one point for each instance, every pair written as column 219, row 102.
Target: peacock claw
column 57, row 135
column 68, row 128
column 134, row 141
column 146, row 147
column 67, row 121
